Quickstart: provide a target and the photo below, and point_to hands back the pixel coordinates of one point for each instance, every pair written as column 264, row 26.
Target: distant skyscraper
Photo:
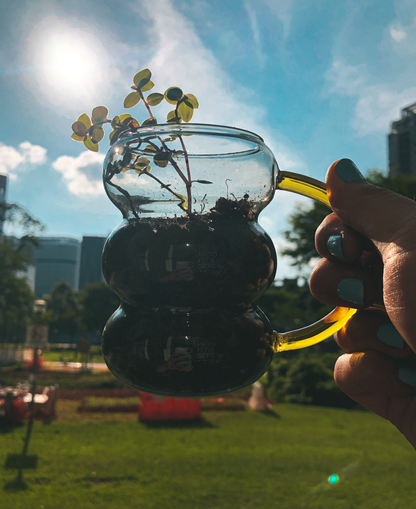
column 402, row 143
column 57, row 259
column 90, row 267
column 3, row 189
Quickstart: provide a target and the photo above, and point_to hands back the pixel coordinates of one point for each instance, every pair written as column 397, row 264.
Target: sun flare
column 70, row 65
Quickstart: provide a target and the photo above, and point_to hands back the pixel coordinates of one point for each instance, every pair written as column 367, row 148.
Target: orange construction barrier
column 156, row 408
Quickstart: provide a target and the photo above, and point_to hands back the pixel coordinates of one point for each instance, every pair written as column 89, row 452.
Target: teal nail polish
column 352, row 290
column 334, row 246
column 407, row 376
column 390, row 336
column 347, row 170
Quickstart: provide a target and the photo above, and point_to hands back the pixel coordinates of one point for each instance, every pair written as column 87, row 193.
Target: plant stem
column 188, row 170
column 146, row 104
column 124, row 193
column 164, row 186
column 187, row 181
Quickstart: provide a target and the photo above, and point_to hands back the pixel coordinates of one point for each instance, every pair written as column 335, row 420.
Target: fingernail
column 347, row 170
column 334, row 246
column 407, row 376
column 352, row 290
column 390, row 336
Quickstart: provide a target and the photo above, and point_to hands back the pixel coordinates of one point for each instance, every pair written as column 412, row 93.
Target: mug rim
column 191, row 126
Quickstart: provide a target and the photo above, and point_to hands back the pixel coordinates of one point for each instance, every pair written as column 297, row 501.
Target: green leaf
column 131, row 100
column 80, row 129
column 91, row 145
column 155, row 99
column 171, row 118
column 161, row 159
column 99, row 114
column 149, row 121
column 184, row 203
column 115, row 121
column 150, row 149
column 144, row 74
column 141, row 161
column 147, row 86
column 190, row 98
column 77, row 138
column 129, row 121
column 114, row 135
column 178, row 153
column 97, row 134
column 203, row 181
column 173, row 95
column 123, row 117
column 132, row 123
column 185, row 111
column 85, row 119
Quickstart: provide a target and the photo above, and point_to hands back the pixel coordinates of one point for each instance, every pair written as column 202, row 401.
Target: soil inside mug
column 220, row 258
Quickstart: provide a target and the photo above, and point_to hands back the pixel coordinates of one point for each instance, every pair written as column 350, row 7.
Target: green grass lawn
column 71, row 355
column 228, row 460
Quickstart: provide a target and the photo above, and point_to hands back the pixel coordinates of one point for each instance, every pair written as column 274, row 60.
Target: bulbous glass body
column 189, row 261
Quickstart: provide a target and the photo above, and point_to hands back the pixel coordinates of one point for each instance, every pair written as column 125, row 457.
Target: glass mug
column 190, row 261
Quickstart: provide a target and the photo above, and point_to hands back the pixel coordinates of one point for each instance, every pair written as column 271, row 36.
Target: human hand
column 369, row 256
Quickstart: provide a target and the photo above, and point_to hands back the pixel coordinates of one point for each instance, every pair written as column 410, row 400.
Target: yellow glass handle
column 336, row 319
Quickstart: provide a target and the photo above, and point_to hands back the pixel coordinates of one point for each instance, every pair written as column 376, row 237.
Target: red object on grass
column 17, row 412
column 156, row 408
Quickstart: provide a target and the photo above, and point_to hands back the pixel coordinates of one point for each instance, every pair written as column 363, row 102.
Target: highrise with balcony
column 402, row 143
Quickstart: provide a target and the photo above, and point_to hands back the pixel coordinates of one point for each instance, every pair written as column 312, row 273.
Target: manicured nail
column 347, row 170
column 352, row 290
column 389, row 335
column 334, row 246
column 407, row 376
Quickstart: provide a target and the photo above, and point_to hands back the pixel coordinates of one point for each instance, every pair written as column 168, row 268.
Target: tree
column 64, row 303
column 99, row 303
column 304, row 222
column 291, row 306
column 16, row 296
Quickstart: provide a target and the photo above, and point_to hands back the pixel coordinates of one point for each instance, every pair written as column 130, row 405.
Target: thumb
column 379, row 214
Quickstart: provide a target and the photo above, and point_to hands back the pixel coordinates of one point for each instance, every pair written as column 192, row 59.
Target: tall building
column 3, row 189
column 57, row 259
column 90, row 270
column 402, row 143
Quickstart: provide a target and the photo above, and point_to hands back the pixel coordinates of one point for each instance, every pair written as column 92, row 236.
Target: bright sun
column 70, row 65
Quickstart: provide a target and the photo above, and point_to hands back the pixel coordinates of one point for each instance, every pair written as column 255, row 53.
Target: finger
column 339, row 284
column 389, row 220
column 372, row 330
column 376, row 382
column 337, row 241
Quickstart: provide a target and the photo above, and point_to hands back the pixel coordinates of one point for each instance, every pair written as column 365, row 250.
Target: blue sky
column 318, row 80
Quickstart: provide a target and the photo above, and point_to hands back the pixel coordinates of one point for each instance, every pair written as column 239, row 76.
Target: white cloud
column 13, row 160
column 376, row 105
column 82, row 174
column 397, row 35
column 184, row 61
column 346, row 79
column 381, row 79
column 282, row 10
column 34, row 154
column 400, row 39
column 256, row 34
